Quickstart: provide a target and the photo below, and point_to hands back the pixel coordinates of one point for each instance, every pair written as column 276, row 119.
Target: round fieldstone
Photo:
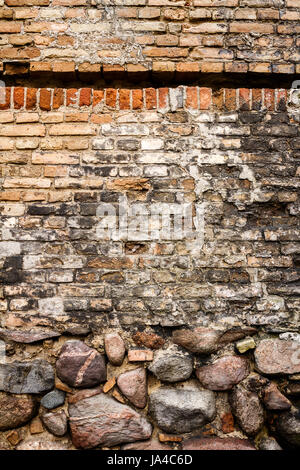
column 15, row 410
column 224, row 373
column 53, row 399
column 199, row 340
column 114, row 348
column 248, row 410
column 26, row 377
column 56, row 423
column 171, row 365
column 288, row 427
column 182, row 410
column 80, row 366
column 216, row 443
column 133, row 384
column 269, row 443
column 276, row 356
column 274, row 399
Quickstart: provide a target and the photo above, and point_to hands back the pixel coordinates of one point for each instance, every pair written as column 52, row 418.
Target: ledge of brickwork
column 182, row 97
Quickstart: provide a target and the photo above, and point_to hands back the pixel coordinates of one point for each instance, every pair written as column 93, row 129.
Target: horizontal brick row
column 193, row 97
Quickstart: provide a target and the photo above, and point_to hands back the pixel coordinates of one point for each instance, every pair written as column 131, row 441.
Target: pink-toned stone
column 248, row 410
column 114, row 348
column 274, row 399
column 224, row 373
column 138, row 355
column 133, row 384
column 80, row 366
column 216, row 443
column 152, row 444
column 27, row 337
column 101, row 420
column 15, row 410
column 200, row 340
column 276, row 356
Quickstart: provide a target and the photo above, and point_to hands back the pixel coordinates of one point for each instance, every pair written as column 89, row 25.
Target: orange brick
column 63, row 67
column 111, row 97
column 31, row 98
column 19, row 97
column 45, row 99
column 58, row 98
column 227, row 423
column 124, row 99
column 98, row 97
column 212, row 67
column 192, row 97
column 163, row 97
column 256, row 99
column 10, row 196
column 150, row 98
column 205, row 98
column 230, row 99
column 137, row 99
column 72, row 95
column 85, row 97
column 135, row 355
column 269, row 100
column 244, row 99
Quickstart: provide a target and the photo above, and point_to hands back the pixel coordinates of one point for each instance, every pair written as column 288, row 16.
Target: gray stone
column 224, row 373
column 53, row 399
column 171, row 365
column 248, row 410
column 27, row 337
column 275, row 356
column 216, row 443
column 288, row 427
column 26, row 377
column 182, row 410
column 15, row 410
column 101, row 420
column 80, row 366
column 56, row 423
column 269, row 443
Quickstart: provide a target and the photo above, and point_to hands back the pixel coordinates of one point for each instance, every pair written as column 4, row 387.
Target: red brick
column 31, row 98
column 97, row 97
column 230, row 99
column 45, row 99
column 135, row 355
column 72, row 95
column 205, row 98
column 19, row 97
column 150, row 98
column 163, row 97
column 85, row 97
column 269, row 100
column 111, row 97
column 6, row 104
column 281, row 100
column 256, row 99
column 58, row 98
column 137, row 99
column 244, row 98
column 192, row 97
column 124, row 99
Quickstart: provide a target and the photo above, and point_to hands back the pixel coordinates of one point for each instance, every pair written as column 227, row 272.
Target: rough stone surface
column 53, row 399
column 152, row 444
column 178, row 411
column 275, row 356
column 26, row 377
column 247, row 409
column 44, row 442
column 288, row 427
column 269, row 443
column 114, row 348
column 216, row 443
column 171, row 365
column 15, row 410
column 133, row 384
column 56, row 422
column 224, row 373
column 101, row 420
column 198, row 340
column 274, row 399
column 80, row 366
column 27, row 337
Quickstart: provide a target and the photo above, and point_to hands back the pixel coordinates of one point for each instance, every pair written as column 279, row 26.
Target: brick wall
column 137, row 36
column 65, row 151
